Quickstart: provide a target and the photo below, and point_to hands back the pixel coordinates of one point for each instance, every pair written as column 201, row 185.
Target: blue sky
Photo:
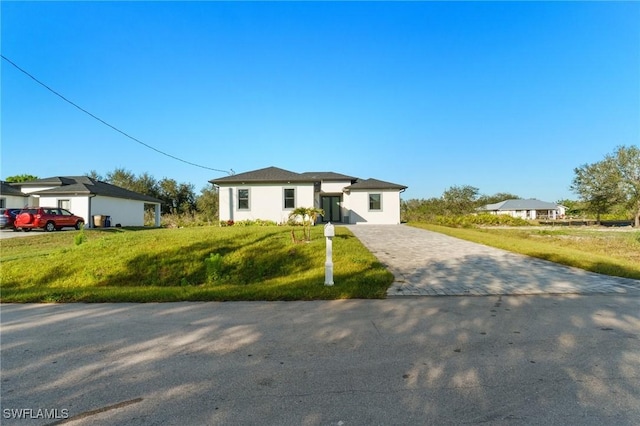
column 506, row 97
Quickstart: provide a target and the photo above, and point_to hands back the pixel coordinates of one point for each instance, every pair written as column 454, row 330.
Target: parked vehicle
column 7, row 218
column 47, row 218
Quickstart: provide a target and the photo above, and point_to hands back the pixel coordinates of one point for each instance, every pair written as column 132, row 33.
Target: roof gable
column 374, row 184
column 52, row 181
column 268, row 174
column 7, row 189
column 84, row 185
column 329, row 176
column 530, row 204
column 277, row 175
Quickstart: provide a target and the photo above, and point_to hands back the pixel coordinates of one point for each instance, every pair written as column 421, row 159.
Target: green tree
column 459, row 200
column 483, row 200
column 574, row 208
column 598, row 185
column 176, row 197
column 95, row 175
column 422, row 210
column 627, row 164
column 123, row 178
column 21, row 178
column 143, row 184
column 207, row 203
column 147, row 185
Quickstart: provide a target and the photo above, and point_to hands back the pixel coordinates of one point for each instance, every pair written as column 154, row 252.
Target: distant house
column 526, row 209
column 11, row 197
column 88, row 197
column 273, row 193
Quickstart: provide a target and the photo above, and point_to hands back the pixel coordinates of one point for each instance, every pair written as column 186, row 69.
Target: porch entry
column 331, row 206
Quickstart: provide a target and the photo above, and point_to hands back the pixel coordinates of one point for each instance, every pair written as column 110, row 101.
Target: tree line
column 176, row 197
column 455, row 201
column 612, row 184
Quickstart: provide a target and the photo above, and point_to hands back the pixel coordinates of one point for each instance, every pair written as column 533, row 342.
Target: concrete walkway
column 426, row 263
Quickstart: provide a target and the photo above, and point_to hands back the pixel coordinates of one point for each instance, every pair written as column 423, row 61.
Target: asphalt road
column 548, row 360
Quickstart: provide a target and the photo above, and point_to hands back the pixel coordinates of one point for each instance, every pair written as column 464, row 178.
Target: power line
column 109, row 125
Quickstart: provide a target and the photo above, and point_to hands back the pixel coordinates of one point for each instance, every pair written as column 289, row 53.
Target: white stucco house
column 526, row 209
column 88, row 197
column 11, row 197
column 272, row 193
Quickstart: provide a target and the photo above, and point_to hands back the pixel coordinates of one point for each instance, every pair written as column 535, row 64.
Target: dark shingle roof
column 327, row 176
column 83, row 185
column 374, row 184
column 7, row 189
column 55, row 180
column 276, row 175
column 269, row 174
column 509, row 205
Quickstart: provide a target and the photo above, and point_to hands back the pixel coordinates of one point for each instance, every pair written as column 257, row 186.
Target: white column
column 157, row 210
column 329, row 232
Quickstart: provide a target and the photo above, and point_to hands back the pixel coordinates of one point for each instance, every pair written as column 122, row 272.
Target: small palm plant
column 308, row 215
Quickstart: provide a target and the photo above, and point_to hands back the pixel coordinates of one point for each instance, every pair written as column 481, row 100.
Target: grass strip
column 190, row 264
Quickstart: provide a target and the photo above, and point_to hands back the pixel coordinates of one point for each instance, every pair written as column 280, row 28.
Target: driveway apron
column 426, row 263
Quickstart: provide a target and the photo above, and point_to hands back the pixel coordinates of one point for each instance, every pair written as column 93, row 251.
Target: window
column 243, row 199
column 3, row 203
column 64, row 204
column 374, row 202
column 289, row 198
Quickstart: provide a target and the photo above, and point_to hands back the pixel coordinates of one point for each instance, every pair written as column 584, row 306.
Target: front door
column 331, row 207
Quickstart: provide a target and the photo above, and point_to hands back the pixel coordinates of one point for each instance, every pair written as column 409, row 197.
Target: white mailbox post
column 329, row 233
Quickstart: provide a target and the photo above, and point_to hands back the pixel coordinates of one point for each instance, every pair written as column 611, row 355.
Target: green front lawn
column 208, row 263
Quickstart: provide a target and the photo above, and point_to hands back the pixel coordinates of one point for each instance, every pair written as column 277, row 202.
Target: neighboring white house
column 88, row 197
column 526, row 209
column 273, row 193
column 11, row 197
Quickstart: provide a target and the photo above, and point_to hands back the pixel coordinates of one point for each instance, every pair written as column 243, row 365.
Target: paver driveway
column 426, row 263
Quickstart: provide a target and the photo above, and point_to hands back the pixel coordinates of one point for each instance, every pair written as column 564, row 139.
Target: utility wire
column 109, row 125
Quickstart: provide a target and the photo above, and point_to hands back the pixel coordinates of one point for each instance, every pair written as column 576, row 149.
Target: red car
column 48, row 218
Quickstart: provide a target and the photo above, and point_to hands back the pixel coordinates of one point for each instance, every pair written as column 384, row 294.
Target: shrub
column 468, row 221
column 257, row 222
column 80, row 237
column 213, row 265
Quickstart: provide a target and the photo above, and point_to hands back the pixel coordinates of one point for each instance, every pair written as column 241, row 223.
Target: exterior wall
column 266, row 201
column 334, row 187
column 533, row 214
column 122, row 211
column 15, row 202
column 357, row 203
column 35, row 201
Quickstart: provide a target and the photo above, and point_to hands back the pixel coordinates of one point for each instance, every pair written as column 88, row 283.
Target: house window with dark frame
column 243, row 199
column 289, row 198
column 3, row 203
column 375, row 201
column 64, row 204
